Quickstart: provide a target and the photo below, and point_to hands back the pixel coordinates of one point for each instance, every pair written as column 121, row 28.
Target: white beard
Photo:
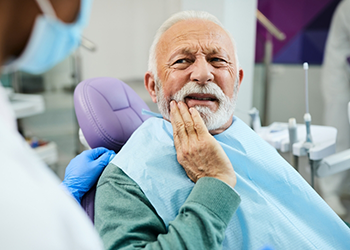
column 212, row 119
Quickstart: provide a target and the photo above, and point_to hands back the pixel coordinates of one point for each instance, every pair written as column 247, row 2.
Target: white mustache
column 194, row 88
column 212, row 119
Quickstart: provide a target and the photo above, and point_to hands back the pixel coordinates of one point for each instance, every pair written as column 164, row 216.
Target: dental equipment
column 307, row 116
column 255, row 119
column 335, row 163
column 276, row 134
column 307, row 119
column 297, row 138
column 108, row 112
column 309, row 147
column 293, row 138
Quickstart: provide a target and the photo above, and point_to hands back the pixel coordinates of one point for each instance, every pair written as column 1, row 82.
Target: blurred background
column 119, row 35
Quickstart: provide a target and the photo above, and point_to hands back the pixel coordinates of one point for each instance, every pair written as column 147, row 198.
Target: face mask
column 51, row 40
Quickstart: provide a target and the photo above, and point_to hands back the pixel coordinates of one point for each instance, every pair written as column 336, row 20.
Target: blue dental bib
column 278, row 206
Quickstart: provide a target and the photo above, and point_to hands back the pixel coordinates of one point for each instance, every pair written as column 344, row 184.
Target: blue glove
column 83, row 171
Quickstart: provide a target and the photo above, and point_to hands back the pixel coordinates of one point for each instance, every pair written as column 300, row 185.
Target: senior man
column 205, row 180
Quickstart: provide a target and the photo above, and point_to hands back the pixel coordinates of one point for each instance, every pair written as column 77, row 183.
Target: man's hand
column 84, row 170
column 197, row 151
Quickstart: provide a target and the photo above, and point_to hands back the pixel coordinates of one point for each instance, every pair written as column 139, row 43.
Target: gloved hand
column 83, row 171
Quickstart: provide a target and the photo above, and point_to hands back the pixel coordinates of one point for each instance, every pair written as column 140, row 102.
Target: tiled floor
column 58, row 124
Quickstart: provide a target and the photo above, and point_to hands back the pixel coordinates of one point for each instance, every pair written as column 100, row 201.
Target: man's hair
column 178, row 17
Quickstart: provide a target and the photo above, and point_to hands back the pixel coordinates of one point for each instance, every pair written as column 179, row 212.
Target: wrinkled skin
column 197, row 51
column 197, row 150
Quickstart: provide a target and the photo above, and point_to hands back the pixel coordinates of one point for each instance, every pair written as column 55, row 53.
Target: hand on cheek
column 197, row 150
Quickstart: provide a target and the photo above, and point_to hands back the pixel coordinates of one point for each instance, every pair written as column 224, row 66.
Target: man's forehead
column 208, row 33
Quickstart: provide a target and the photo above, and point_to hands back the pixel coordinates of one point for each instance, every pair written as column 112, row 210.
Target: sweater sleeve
column 125, row 219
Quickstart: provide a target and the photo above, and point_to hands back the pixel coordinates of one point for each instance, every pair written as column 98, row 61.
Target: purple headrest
column 108, row 111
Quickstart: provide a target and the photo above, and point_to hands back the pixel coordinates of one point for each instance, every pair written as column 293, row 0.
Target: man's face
column 196, row 64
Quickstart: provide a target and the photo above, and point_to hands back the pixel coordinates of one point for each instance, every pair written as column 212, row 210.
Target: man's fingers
column 187, row 119
column 199, row 125
column 177, row 122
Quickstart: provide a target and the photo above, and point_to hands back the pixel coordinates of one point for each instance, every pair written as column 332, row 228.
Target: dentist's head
column 37, row 34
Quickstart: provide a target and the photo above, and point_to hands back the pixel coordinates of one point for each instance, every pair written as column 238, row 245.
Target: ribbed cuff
column 217, row 196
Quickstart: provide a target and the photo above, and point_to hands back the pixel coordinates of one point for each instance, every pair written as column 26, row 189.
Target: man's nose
column 201, row 72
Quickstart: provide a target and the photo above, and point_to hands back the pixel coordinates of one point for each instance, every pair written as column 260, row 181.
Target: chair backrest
column 108, row 112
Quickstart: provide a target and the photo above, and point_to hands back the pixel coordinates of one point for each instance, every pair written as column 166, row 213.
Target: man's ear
column 240, row 77
column 150, row 85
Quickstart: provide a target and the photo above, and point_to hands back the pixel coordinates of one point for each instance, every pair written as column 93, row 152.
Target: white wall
column 287, row 93
column 123, row 31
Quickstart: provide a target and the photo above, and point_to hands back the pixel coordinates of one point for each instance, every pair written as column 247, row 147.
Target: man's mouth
column 201, row 100
column 201, row 97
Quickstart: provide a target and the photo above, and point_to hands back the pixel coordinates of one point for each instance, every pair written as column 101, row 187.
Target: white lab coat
column 35, row 212
column 336, row 87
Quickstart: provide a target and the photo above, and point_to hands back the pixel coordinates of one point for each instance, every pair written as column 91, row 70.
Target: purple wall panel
column 291, row 52
column 291, row 17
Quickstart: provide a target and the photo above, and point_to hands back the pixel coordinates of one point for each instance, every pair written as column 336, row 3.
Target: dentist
column 35, row 212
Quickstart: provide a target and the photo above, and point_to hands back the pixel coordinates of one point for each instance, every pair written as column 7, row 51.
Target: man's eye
column 181, row 61
column 216, row 59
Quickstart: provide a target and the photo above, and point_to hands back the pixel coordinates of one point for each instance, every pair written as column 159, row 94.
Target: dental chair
column 108, row 112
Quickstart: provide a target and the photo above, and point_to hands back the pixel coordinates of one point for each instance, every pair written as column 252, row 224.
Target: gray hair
column 182, row 16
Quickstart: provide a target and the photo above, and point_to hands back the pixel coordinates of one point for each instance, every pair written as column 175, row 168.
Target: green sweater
column 125, row 219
